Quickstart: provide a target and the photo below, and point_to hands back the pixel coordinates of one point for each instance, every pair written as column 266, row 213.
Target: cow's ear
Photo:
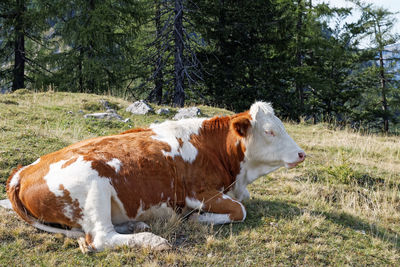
column 241, row 125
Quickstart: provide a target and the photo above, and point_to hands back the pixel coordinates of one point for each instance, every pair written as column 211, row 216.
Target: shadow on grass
column 259, row 210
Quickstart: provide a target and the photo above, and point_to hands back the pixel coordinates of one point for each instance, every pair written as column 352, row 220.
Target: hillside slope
column 341, row 206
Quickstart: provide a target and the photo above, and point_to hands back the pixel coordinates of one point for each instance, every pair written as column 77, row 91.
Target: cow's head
column 266, row 139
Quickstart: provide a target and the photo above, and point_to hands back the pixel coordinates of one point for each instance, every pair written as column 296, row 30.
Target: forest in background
column 299, row 55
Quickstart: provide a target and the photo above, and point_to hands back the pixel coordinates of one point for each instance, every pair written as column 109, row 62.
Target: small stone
column 163, row 111
column 185, row 113
column 104, row 115
column 5, row 203
column 105, row 104
column 139, row 108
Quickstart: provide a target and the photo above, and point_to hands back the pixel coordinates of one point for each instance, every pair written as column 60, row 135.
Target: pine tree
column 377, row 24
column 94, row 44
column 246, row 55
column 22, row 23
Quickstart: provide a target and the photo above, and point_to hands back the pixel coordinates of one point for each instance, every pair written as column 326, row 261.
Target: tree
column 156, row 94
column 93, row 44
column 22, row 24
column 245, row 57
column 378, row 24
column 173, row 52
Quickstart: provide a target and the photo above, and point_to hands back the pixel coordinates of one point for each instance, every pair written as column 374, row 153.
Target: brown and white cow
column 98, row 188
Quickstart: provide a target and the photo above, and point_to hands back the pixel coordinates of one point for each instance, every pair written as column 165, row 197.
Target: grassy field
column 340, row 207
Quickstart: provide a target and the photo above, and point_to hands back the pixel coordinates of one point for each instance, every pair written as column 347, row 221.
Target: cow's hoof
column 84, row 247
column 151, row 240
column 161, row 245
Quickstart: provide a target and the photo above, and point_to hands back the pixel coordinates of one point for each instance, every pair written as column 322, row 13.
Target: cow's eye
column 270, row 132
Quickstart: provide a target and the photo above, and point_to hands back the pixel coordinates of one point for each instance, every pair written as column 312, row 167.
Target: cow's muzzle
column 301, row 157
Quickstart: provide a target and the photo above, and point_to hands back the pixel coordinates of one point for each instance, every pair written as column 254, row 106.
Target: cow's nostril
column 302, row 155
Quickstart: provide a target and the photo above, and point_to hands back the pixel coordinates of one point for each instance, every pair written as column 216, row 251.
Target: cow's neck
column 226, row 145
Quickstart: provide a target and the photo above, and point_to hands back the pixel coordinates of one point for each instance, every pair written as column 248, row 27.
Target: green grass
column 340, row 207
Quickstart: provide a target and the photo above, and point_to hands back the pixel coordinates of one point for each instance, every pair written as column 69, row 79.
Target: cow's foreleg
column 98, row 227
column 218, row 208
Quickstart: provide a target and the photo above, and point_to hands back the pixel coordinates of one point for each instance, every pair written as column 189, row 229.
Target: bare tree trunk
column 299, row 63
column 90, row 81
column 383, row 91
column 19, row 48
column 378, row 35
column 80, row 74
column 156, row 94
column 179, row 94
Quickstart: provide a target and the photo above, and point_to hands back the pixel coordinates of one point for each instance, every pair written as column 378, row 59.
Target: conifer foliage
column 300, row 55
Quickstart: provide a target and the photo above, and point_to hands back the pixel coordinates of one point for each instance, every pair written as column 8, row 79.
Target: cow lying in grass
column 98, row 188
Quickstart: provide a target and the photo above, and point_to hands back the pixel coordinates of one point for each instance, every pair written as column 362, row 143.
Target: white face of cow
column 268, row 143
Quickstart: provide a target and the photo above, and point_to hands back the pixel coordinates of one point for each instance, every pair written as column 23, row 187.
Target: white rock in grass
column 105, row 115
column 105, row 104
column 185, row 113
column 163, row 111
column 5, row 203
column 139, row 108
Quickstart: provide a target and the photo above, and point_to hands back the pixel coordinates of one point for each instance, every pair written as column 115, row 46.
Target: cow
column 96, row 190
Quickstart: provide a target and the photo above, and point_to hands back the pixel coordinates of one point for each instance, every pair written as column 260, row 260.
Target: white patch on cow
column 84, row 185
column 172, row 183
column 35, row 162
column 262, row 107
column 15, row 179
column 68, row 211
column 241, row 205
column 115, row 163
column 249, row 172
column 213, row 218
column 194, row 203
column 170, row 131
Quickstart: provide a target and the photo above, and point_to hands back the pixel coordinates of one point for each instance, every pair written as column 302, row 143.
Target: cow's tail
column 13, row 187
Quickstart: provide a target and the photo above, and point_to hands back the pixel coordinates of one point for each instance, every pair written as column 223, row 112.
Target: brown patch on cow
column 180, row 142
column 215, row 203
column 240, row 125
column 137, row 130
column 69, row 162
column 73, row 204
